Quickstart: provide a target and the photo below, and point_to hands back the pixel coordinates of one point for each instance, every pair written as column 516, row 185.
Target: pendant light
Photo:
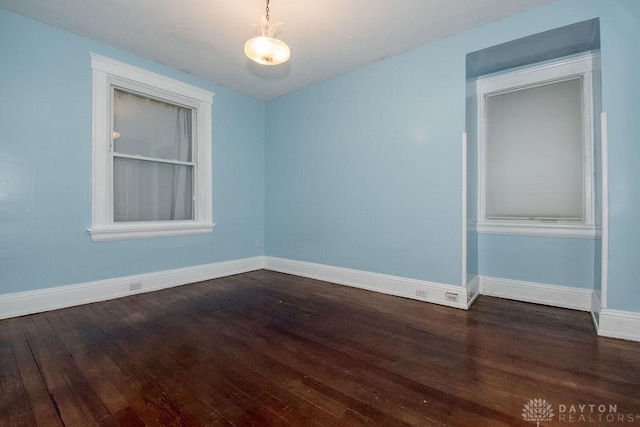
column 266, row 49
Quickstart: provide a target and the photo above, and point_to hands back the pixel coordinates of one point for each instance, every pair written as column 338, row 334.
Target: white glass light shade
column 267, row 50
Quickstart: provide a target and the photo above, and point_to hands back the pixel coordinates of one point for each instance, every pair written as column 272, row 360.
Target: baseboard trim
column 538, row 293
column 383, row 283
column 37, row 301
column 619, row 324
column 473, row 291
column 596, row 308
column 609, row 323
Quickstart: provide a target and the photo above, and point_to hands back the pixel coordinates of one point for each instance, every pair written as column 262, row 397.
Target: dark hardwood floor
column 265, row 348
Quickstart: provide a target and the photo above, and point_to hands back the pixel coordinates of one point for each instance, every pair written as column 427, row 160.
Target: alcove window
column 536, row 149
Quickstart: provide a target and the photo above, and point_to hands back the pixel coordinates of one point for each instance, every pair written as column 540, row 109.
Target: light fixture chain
column 267, row 10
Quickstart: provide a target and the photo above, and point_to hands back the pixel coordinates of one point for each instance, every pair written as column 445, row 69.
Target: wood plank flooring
column 266, row 348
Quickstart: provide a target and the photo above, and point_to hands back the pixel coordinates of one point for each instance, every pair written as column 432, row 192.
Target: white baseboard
column 609, row 323
column 386, row 284
column 30, row 302
column 596, row 308
column 619, row 324
column 538, row 293
column 473, row 290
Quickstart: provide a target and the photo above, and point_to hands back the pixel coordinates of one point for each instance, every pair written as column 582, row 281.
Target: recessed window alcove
column 517, row 247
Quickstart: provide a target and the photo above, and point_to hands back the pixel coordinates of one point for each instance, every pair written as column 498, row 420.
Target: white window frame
column 109, row 74
column 548, row 72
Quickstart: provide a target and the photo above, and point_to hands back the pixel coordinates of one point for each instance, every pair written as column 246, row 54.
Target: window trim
column 581, row 65
column 109, row 73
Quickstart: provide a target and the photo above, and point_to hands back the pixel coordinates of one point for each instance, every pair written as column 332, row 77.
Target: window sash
column 140, row 191
column 107, row 74
column 582, row 66
column 534, row 152
column 148, row 126
column 145, row 193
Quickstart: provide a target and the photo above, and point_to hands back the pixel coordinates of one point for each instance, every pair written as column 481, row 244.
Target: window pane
column 534, row 154
column 151, row 128
column 151, row 191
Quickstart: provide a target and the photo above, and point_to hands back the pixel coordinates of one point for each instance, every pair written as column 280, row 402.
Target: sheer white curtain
column 153, row 160
column 182, row 192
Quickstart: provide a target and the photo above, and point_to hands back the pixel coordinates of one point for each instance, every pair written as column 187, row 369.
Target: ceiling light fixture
column 266, row 49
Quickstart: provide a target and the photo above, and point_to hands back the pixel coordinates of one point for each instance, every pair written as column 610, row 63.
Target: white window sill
column 526, row 228
column 132, row 230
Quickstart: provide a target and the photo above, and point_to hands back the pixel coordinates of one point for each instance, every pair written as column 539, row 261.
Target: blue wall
column 45, row 168
column 558, row 261
column 363, row 171
column 550, row 260
column 621, row 95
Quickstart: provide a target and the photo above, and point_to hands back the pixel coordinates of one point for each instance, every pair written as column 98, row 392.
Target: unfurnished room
column 319, row 213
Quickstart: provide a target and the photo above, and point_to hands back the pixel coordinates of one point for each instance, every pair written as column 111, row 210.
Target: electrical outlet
column 135, row 286
column 421, row 293
column 451, row 297
column 257, row 243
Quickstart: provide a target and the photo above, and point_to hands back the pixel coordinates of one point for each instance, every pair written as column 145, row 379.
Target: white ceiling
column 206, row 37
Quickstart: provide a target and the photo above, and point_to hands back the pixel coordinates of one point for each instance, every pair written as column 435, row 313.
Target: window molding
column 108, row 73
column 527, row 228
column 548, row 72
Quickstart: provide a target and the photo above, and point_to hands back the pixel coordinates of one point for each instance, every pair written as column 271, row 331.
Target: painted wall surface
column 559, row 261
column 45, row 168
column 619, row 35
column 549, row 260
column 363, row 171
column 621, row 92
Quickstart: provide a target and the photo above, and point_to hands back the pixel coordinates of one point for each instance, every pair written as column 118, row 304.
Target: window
column 536, row 150
column 151, row 154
